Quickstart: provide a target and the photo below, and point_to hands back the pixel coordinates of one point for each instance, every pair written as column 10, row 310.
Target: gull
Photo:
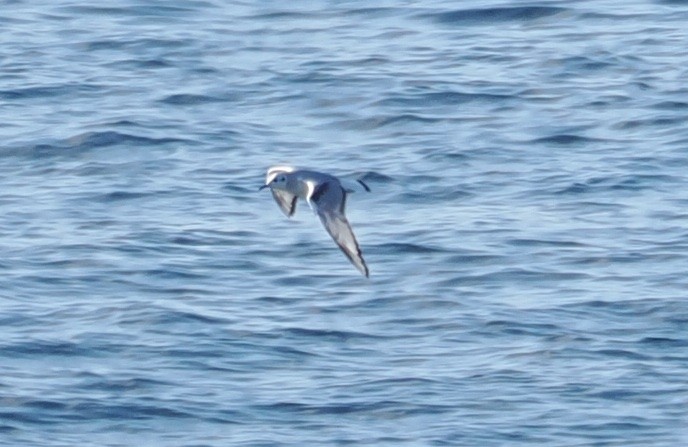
column 326, row 196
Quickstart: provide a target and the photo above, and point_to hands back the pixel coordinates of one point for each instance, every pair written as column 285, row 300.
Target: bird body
column 326, row 196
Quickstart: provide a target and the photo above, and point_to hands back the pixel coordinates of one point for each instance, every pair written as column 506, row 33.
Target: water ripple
column 486, row 16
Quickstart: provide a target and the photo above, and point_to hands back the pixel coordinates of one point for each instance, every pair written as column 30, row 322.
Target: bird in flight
column 326, row 196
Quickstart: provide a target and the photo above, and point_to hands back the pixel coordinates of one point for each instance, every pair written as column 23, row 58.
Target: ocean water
column 526, row 231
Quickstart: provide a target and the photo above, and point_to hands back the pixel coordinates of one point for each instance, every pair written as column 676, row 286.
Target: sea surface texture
column 526, row 232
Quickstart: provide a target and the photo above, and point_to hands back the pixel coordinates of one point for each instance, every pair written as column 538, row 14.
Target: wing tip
column 366, row 187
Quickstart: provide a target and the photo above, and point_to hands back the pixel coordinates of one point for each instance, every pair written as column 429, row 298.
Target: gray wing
column 286, row 201
column 329, row 200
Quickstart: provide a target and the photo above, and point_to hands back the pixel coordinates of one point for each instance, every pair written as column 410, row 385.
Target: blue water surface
column 526, row 231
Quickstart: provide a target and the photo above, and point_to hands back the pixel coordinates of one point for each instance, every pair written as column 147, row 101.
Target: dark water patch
column 421, row 179
column 147, row 64
column 169, row 317
column 664, row 343
column 622, row 353
column 623, row 308
column 135, row 10
column 49, row 348
column 444, row 155
column 510, row 275
column 381, row 122
column 634, row 182
column 106, row 11
column 436, row 195
column 126, row 411
column 26, row 417
column 576, row 188
column 490, row 16
column 565, row 140
column 310, row 77
column 117, row 196
column 4, row 428
column 289, row 351
column 406, row 248
column 651, row 122
column 294, row 280
column 545, row 243
column 518, row 328
column 93, row 140
column 285, row 15
column 671, row 105
column 673, row 2
column 406, row 118
column 242, row 188
column 187, row 99
column 398, row 407
column 136, row 45
column 172, row 273
column 50, row 91
column 122, row 123
column 123, row 385
column 374, row 176
column 190, row 241
column 151, row 63
column 332, row 335
column 468, row 259
column 444, row 98
column 578, row 64
column 374, row 12
column 41, row 404
column 410, row 382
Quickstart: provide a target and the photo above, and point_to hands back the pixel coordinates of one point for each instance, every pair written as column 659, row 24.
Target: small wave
column 575, row 64
column 407, row 248
column 116, row 196
column 282, row 15
column 406, row 118
column 47, row 91
column 664, row 342
column 671, row 105
column 495, row 15
column 176, row 317
column 650, row 122
column 448, row 98
column 373, row 12
column 134, row 11
column 564, row 139
column 105, row 383
column 373, row 176
column 544, row 243
column 91, row 140
column 329, row 334
column 622, row 353
column 32, row 92
column 43, row 348
column 517, row 328
column 185, row 99
column 383, row 121
column 624, row 183
column 111, row 412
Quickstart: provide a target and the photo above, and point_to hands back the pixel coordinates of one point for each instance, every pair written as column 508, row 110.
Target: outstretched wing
column 286, row 201
column 329, row 200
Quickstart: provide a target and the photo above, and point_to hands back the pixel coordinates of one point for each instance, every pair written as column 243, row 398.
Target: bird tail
column 355, row 184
